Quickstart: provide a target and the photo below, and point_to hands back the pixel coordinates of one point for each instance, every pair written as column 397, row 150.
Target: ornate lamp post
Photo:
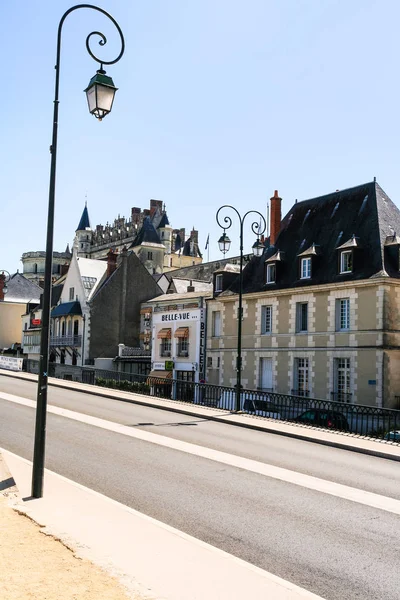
column 100, row 96
column 4, row 279
column 224, row 244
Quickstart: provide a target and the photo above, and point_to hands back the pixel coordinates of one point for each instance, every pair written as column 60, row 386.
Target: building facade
column 174, row 328
column 320, row 307
column 147, row 232
column 34, row 265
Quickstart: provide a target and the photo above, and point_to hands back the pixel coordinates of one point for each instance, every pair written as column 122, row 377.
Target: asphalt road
column 336, row 548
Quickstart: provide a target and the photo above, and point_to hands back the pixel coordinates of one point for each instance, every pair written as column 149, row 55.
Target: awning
column 158, row 377
column 182, row 332
column 145, row 311
column 67, row 308
column 145, row 336
column 164, row 334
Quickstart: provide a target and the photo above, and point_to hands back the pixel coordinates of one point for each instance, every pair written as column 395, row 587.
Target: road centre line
column 306, row 481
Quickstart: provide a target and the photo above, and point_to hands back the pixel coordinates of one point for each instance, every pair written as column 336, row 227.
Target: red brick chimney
column 111, row 262
column 276, row 217
column 64, row 269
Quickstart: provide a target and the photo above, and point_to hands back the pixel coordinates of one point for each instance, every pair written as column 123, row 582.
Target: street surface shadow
column 178, row 424
column 7, row 483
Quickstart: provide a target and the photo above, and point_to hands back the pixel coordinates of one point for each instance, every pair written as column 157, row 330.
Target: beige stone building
column 321, row 307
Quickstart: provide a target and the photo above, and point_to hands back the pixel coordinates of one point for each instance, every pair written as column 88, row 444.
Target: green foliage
column 124, row 385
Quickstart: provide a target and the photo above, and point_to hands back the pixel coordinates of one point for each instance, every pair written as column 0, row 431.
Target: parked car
column 392, row 436
column 320, row 417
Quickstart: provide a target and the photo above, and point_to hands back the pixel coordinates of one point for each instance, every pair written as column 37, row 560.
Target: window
column 302, row 376
column 183, row 346
column 301, row 317
column 305, row 269
column 218, row 283
column 76, row 327
column 218, row 362
column 266, row 375
column 343, row 314
column 209, row 362
column 346, row 261
column 266, row 319
column 165, row 349
column 216, row 323
column 271, row 273
column 71, row 293
column 342, row 379
column 149, row 256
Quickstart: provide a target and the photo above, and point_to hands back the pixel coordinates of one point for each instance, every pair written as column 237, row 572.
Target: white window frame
column 343, row 314
column 271, row 273
column 342, row 376
column 299, row 317
column 344, row 261
column 302, row 376
column 266, row 319
column 216, row 323
column 218, row 282
column 305, row 268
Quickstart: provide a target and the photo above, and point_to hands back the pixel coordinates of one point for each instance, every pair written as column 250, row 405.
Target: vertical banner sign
column 202, row 342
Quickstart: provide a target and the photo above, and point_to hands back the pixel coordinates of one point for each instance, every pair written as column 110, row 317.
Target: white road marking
column 306, row 481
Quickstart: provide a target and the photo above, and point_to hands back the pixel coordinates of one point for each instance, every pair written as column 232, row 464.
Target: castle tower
column 83, row 236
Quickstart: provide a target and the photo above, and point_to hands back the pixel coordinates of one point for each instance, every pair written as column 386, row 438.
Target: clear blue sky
column 219, row 101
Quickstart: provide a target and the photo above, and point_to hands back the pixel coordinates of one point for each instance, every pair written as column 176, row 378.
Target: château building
column 147, row 233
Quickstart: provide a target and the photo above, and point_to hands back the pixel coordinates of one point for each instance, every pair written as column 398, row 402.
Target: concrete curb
column 357, row 444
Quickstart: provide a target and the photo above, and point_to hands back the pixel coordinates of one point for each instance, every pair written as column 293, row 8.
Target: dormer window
column 305, row 268
column 218, row 283
column 271, row 273
column 346, row 261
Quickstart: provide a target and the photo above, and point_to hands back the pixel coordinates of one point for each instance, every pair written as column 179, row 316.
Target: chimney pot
column 111, row 262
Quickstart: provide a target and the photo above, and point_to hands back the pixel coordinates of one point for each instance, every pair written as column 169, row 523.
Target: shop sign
column 159, row 366
column 169, row 365
column 10, row 363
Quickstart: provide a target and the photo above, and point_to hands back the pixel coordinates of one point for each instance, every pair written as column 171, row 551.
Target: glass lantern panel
column 91, row 98
column 105, row 97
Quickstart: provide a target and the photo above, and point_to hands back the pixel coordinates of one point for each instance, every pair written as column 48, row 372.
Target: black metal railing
column 302, row 393
column 164, row 352
column 369, row 421
column 341, row 396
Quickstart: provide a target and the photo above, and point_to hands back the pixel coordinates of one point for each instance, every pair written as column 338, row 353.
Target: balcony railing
column 183, row 353
column 341, row 396
column 70, row 341
column 165, row 353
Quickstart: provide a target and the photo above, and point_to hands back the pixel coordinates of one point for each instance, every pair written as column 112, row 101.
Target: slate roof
column 20, row 289
column 329, row 222
column 204, row 271
column 191, row 248
column 164, row 221
column 147, row 233
column 84, row 222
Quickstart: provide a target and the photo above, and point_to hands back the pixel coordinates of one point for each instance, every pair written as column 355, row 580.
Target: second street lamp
column 224, row 244
column 100, row 95
column 4, row 279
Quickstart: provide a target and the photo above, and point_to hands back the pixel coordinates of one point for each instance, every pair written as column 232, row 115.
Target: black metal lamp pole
column 258, row 248
column 100, row 95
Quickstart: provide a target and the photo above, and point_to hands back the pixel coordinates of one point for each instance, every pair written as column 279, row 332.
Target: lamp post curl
column 258, row 228
column 100, row 96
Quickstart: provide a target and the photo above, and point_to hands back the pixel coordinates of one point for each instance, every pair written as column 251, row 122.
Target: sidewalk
column 336, row 439
column 151, row 559
column 40, row 567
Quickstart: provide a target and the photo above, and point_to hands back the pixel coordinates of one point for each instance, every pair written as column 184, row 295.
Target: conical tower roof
column 84, row 222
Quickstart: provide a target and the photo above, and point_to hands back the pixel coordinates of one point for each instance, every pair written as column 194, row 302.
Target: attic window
column 307, row 215
column 305, row 268
column 346, row 261
column 218, row 283
column 271, row 273
column 364, row 202
column 335, row 209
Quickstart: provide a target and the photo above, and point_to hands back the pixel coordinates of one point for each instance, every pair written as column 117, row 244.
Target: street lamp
column 4, row 279
column 224, row 244
column 100, row 96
